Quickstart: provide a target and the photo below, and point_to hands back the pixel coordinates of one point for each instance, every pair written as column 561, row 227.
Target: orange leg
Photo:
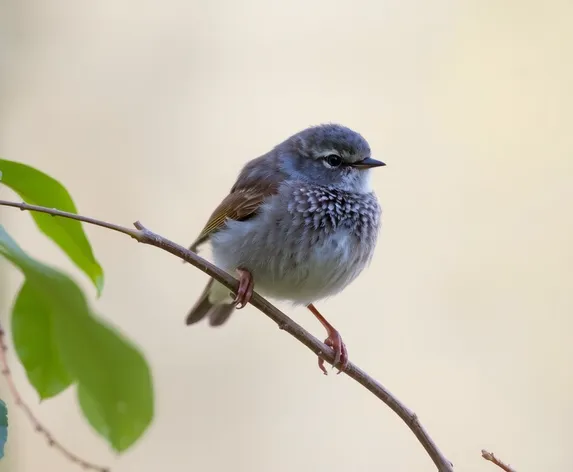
column 334, row 340
column 245, row 290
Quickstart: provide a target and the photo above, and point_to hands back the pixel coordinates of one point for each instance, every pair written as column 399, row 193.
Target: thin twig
column 73, row 216
column 488, row 456
column 37, row 425
column 145, row 236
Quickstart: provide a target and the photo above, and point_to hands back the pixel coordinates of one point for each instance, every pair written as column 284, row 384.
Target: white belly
column 289, row 270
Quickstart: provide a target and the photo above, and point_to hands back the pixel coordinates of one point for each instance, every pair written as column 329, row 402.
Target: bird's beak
column 368, row 163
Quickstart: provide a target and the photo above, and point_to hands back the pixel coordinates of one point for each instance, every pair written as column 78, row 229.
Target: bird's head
column 330, row 155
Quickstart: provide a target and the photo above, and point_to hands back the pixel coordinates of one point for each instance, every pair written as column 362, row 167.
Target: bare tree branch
column 145, row 236
column 488, row 456
column 27, row 410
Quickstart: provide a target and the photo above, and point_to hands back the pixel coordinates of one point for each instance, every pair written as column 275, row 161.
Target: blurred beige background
column 147, row 110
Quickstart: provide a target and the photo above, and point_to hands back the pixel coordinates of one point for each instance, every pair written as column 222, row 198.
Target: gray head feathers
column 328, row 155
column 317, row 141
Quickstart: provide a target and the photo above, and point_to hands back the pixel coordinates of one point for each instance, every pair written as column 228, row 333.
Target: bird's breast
column 305, row 244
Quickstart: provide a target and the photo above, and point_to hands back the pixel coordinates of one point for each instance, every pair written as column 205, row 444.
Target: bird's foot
column 245, row 290
column 334, row 341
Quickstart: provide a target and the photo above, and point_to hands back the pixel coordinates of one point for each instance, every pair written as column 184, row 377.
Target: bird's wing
column 241, row 204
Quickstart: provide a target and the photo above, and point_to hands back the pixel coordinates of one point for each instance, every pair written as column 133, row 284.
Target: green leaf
column 92, row 410
column 32, row 332
column 37, row 188
column 112, row 375
column 3, row 427
column 113, row 379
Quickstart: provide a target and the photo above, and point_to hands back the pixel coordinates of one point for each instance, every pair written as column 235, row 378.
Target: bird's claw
column 245, row 290
column 334, row 341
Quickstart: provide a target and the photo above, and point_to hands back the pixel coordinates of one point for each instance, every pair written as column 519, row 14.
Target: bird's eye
column 332, row 161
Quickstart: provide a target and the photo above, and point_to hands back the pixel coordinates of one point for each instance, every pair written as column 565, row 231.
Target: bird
column 300, row 223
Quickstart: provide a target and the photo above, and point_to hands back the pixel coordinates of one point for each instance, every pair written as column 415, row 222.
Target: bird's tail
column 217, row 311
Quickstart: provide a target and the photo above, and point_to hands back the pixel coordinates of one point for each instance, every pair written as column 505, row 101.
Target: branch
column 37, row 425
column 145, row 236
column 488, row 456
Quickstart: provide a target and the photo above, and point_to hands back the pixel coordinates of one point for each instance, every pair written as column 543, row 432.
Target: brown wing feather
column 239, row 205
column 259, row 179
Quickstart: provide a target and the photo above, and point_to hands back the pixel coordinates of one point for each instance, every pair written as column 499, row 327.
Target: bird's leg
column 334, row 340
column 245, row 290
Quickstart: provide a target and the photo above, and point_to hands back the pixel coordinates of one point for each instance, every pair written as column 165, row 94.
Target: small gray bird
column 301, row 221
